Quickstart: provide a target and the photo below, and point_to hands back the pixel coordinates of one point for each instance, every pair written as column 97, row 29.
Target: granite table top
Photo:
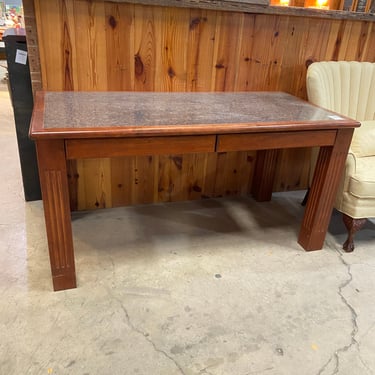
column 131, row 113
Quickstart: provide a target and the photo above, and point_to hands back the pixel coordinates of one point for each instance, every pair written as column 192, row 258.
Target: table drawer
column 275, row 140
column 116, row 147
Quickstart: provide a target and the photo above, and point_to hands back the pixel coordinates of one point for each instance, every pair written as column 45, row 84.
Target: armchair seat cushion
column 358, row 199
column 362, row 183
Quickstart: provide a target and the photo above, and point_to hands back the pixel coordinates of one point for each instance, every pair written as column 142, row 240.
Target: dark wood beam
column 253, row 6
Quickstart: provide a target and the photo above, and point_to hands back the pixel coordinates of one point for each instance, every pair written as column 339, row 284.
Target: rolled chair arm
column 363, row 142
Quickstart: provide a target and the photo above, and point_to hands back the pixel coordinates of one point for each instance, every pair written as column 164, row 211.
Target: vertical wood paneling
column 363, row 39
column 144, row 184
column 369, row 51
column 145, row 48
column 245, row 81
column 119, row 56
column 103, row 45
column 211, row 171
column 334, row 38
column 238, row 172
column 257, row 64
column 49, row 16
column 292, row 171
column 317, row 43
column 165, row 185
column 195, row 176
column 200, row 50
column 94, row 183
column 273, row 62
column 218, row 176
column 90, row 45
column 228, row 51
column 122, row 180
column 179, row 177
column 69, row 50
column 294, row 63
column 172, row 49
column 32, row 44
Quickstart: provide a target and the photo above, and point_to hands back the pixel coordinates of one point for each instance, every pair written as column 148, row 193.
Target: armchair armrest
column 363, row 142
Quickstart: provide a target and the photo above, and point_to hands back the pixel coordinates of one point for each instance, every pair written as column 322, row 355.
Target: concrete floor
column 210, row 287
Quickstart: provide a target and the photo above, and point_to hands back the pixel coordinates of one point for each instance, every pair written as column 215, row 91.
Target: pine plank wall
column 102, row 45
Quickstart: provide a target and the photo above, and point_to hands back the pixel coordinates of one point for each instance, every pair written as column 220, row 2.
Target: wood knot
column 197, row 188
column 177, row 161
column 309, row 61
column 171, row 72
column 138, row 65
column 194, row 23
column 112, row 22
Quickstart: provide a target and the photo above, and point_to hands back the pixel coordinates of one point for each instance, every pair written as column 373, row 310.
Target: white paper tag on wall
column 21, row 57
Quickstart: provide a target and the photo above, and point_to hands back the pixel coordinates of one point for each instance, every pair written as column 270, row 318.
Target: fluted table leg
column 55, row 192
column 328, row 171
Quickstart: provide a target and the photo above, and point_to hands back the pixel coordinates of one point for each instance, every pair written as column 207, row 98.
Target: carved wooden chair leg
column 353, row 226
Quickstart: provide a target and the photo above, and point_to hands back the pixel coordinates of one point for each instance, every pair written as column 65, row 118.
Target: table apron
column 275, row 140
column 117, row 147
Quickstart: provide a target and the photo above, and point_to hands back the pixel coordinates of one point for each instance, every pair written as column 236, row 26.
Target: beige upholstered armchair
column 348, row 88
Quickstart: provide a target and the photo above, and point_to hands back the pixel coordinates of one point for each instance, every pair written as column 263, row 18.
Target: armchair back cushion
column 346, row 87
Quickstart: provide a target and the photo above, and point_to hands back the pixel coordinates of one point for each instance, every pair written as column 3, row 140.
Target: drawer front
column 275, row 140
column 117, row 147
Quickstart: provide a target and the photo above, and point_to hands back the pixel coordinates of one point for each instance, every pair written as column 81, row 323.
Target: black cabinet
column 20, row 90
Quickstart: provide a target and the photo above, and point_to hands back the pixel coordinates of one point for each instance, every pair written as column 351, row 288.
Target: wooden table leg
column 327, row 175
column 55, row 193
column 264, row 175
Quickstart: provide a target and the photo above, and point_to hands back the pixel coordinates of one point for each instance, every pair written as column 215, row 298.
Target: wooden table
column 74, row 125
